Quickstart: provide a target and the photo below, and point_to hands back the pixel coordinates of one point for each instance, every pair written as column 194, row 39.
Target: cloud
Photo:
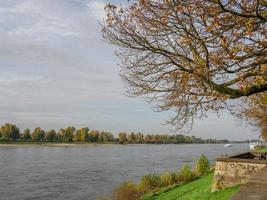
column 39, row 20
column 11, row 78
column 96, row 9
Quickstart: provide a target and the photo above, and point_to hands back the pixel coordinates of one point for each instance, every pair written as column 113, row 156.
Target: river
column 85, row 173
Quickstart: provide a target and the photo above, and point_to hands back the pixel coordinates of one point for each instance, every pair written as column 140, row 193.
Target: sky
column 56, row 71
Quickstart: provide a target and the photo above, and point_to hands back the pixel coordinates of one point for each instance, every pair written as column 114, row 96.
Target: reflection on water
column 85, row 173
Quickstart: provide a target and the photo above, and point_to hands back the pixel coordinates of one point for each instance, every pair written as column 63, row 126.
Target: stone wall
column 231, row 171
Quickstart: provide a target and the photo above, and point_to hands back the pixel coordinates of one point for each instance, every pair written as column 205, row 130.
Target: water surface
column 85, row 173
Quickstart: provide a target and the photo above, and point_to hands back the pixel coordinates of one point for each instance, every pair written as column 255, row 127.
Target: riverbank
column 261, row 149
column 199, row 189
column 84, row 144
column 47, row 144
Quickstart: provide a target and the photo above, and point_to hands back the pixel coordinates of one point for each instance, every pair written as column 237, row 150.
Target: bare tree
column 190, row 55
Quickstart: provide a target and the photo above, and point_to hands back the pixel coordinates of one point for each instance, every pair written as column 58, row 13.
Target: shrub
column 126, row 191
column 202, row 166
column 3, row 140
column 153, row 182
column 174, row 178
column 185, row 174
column 149, row 182
column 167, row 179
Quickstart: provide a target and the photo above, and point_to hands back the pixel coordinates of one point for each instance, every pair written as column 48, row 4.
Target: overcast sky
column 55, row 71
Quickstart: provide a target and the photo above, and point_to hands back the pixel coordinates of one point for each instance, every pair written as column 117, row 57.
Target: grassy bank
column 199, row 189
column 261, row 149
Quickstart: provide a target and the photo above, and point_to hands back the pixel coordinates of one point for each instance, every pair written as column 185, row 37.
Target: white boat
column 227, row 145
column 252, row 146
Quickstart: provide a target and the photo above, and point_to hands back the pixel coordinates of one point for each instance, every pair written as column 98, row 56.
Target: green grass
column 199, row 189
column 261, row 149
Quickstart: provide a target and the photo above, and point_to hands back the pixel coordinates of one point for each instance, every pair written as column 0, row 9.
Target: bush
column 149, row 182
column 3, row 140
column 167, row 179
column 174, row 178
column 152, row 182
column 185, row 174
column 126, row 191
column 202, row 166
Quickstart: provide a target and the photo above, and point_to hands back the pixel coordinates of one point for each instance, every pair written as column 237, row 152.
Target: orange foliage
column 190, row 55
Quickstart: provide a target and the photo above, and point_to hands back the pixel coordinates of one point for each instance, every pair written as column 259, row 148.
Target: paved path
column 256, row 189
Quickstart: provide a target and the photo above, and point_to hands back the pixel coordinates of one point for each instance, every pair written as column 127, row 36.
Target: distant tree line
column 11, row 133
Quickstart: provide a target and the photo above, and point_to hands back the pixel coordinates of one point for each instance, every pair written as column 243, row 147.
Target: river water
column 85, row 173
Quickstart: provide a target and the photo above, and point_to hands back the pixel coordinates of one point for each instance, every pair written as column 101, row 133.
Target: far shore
column 54, row 144
column 17, row 144
column 51, row 144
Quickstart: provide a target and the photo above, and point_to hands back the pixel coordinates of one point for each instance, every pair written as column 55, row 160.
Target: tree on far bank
column 139, row 138
column 94, row 135
column 122, row 138
column 10, row 132
column 81, row 135
column 131, row 138
column 77, row 137
column 26, row 135
column 105, row 137
column 192, row 56
column 38, row 134
column 68, row 134
column 60, row 134
column 85, row 134
column 51, row 135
